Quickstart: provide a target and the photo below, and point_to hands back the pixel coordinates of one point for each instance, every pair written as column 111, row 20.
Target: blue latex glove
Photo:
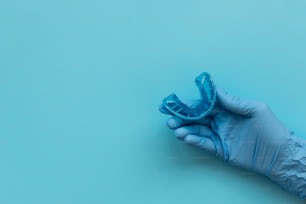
column 246, row 133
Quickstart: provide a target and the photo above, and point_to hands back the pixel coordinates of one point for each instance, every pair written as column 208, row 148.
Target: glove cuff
column 290, row 170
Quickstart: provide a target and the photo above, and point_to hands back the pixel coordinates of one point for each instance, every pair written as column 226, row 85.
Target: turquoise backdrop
column 81, row 82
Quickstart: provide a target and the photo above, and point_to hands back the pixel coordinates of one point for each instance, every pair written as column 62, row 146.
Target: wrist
column 289, row 171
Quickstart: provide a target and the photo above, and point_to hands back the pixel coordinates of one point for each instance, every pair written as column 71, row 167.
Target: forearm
column 290, row 171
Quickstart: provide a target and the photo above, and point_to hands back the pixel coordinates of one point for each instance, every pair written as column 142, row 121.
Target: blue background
column 80, row 83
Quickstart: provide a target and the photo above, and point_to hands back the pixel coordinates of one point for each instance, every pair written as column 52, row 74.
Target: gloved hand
column 246, row 133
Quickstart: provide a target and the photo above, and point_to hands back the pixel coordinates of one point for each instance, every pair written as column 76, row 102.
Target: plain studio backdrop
column 81, row 82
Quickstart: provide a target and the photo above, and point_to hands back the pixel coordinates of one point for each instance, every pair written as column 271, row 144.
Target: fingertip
column 180, row 133
column 172, row 123
column 202, row 142
column 192, row 139
column 175, row 122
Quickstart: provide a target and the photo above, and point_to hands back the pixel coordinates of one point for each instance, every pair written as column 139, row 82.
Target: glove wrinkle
column 290, row 172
